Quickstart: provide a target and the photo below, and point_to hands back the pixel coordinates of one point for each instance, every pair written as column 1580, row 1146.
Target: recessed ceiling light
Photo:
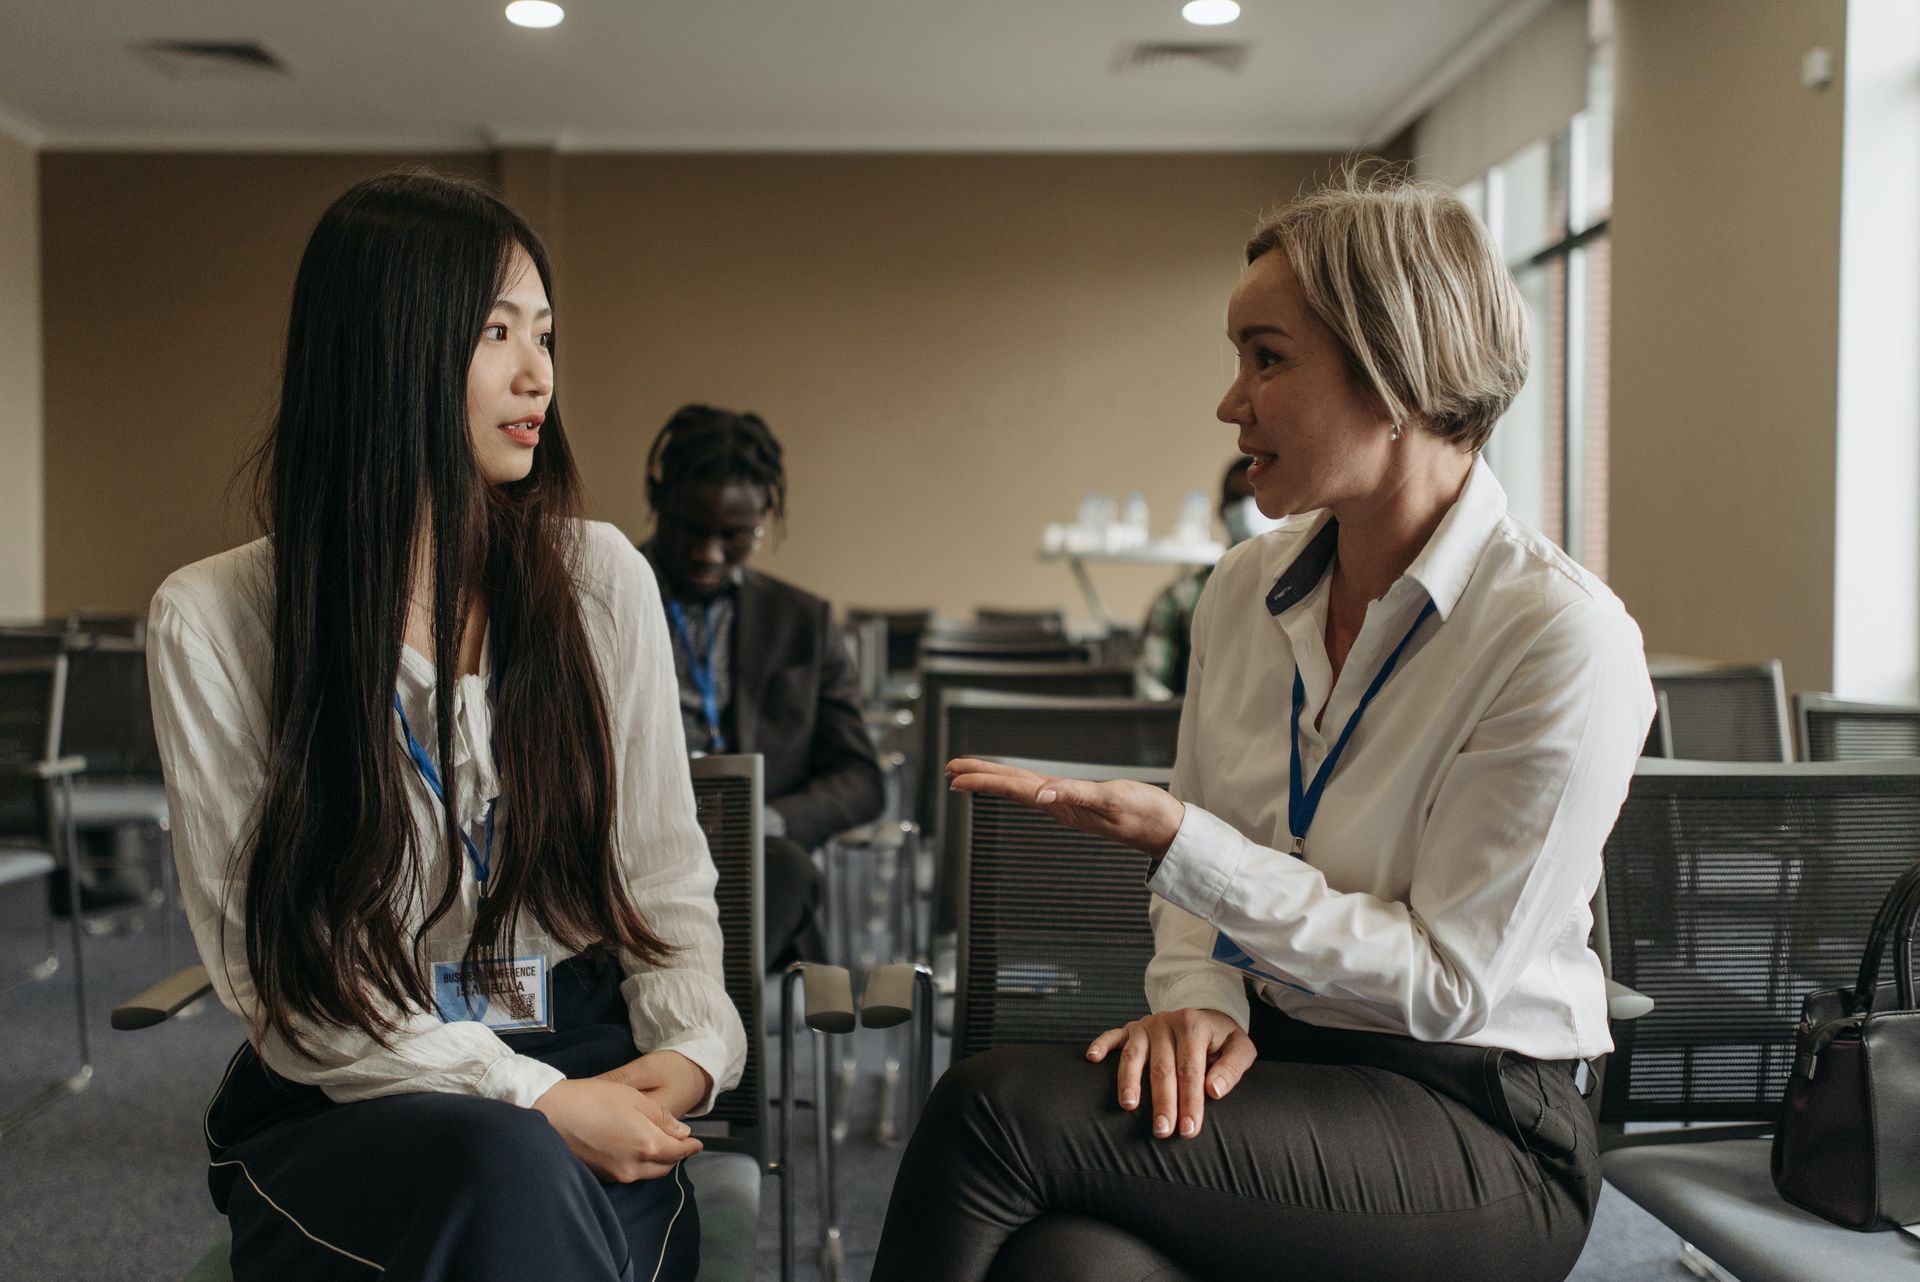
column 1210, row 13
column 541, row 13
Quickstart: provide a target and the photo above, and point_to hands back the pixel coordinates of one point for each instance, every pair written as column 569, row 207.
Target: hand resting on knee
column 1187, row 1056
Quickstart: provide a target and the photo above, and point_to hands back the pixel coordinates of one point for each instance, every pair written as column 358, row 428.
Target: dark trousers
column 791, row 899
column 1338, row 1156
column 449, row 1188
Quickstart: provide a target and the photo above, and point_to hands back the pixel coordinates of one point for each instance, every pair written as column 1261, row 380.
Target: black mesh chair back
column 1075, row 680
column 126, row 627
column 1006, row 641
column 109, row 718
column 1054, row 936
column 1102, row 731
column 32, row 692
column 903, row 629
column 1733, row 891
column 1839, row 730
column 1054, row 621
column 1730, row 712
column 726, row 796
column 32, row 640
column 1136, row 733
column 1660, row 733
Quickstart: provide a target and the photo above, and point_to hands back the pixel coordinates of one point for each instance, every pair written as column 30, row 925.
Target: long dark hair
column 369, row 450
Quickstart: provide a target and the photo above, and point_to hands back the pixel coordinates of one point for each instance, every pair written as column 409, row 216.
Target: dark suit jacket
column 796, row 701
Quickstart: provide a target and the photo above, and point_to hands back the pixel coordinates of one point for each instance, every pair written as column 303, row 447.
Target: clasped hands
column 1186, row 1056
column 625, row 1124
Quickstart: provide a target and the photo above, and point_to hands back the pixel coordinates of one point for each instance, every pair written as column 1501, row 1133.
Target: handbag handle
column 1896, row 918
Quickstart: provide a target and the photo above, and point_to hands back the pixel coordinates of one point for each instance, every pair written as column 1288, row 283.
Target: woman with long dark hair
column 430, row 798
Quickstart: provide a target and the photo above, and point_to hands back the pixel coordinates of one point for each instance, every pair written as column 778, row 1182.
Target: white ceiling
column 841, row 75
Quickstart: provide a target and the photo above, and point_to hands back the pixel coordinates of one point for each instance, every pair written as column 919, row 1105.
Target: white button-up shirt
column 1445, row 882
column 210, row 668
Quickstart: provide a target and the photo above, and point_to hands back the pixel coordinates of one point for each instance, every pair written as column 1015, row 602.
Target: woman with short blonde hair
column 1409, row 724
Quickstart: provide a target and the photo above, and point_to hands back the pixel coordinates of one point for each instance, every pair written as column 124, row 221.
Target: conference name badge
column 507, row 994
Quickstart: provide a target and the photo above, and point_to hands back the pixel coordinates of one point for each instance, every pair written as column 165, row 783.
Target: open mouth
column 524, row 431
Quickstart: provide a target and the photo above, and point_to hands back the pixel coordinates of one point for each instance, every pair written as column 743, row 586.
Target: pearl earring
column 1395, row 435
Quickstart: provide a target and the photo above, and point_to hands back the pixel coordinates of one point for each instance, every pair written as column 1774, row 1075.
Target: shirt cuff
column 709, row 1052
column 1201, row 863
column 518, row 1079
column 1214, row 988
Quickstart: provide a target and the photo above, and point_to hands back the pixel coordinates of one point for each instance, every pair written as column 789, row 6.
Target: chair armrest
column 163, row 1000
column 888, row 999
column 829, row 992
column 1624, row 1003
column 58, row 768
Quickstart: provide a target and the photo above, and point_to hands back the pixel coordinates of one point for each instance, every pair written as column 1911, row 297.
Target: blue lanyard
column 482, row 860
column 700, row 668
column 1303, row 802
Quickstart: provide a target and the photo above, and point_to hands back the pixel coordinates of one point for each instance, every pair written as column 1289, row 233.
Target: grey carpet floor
column 108, row 1185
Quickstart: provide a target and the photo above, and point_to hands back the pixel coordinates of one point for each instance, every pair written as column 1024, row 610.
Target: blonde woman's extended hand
column 621, row 1134
column 1125, row 810
column 1187, row 1056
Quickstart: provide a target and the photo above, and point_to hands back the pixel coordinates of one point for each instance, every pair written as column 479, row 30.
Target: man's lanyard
column 700, row 668
column 1303, row 802
column 482, row 860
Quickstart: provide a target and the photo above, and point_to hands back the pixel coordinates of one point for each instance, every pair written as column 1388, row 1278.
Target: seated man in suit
column 762, row 666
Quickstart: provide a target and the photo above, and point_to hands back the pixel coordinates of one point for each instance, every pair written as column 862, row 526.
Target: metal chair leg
column 831, row 1254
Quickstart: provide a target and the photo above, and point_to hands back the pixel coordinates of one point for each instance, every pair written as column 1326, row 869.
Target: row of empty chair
column 1740, row 712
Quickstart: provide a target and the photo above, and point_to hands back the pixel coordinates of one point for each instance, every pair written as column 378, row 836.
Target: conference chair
column 1660, row 733
column 1841, row 730
column 1731, row 892
column 108, row 719
column 1105, row 731
column 937, row 676
column 36, row 841
column 1726, row 712
column 1006, row 641
column 748, row 1133
column 1038, row 620
column 900, row 632
column 1054, row 935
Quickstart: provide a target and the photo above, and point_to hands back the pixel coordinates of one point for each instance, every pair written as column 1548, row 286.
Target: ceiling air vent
column 1228, row 56
column 211, row 59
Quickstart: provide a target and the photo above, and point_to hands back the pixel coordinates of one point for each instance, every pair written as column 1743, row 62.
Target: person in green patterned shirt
column 1160, row 671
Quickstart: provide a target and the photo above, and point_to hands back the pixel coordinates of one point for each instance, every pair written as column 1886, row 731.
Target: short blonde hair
column 1411, row 284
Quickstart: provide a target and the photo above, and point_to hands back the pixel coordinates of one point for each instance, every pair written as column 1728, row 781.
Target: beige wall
column 22, row 569
column 1526, row 90
column 952, row 348
column 166, row 310
column 1726, row 245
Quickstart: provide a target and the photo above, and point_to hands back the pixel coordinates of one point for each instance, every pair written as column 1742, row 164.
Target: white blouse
column 210, row 669
column 1444, row 888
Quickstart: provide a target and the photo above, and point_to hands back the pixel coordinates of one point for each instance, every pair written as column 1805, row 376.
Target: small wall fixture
column 1210, row 13
column 535, row 13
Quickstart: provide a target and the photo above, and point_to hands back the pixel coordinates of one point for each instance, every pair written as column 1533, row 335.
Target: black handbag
column 1848, row 1144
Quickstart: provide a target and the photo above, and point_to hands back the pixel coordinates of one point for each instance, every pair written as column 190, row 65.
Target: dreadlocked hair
column 701, row 443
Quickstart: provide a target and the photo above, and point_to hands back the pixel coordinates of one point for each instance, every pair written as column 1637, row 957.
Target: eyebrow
column 1250, row 332
column 513, row 309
